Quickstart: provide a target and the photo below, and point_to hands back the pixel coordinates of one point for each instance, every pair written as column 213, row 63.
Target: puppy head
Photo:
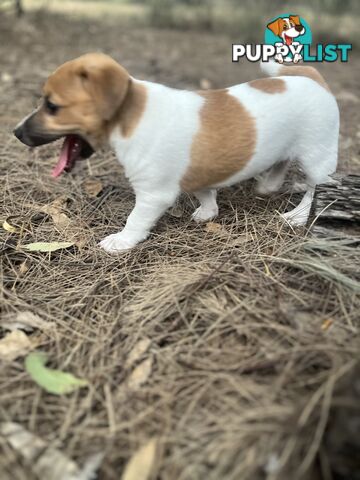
column 287, row 28
column 80, row 100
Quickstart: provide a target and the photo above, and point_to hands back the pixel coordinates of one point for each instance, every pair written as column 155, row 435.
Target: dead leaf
column 9, row 226
column 47, row 246
column 140, row 374
column 92, row 186
column 55, row 210
column 60, row 219
column 15, row 344
column 81, row 242
column 23, row 268
column 327, row 324
column 44, row 461
column 27, row 321
column 213, row 227
column 137, row 352
column 142, row 464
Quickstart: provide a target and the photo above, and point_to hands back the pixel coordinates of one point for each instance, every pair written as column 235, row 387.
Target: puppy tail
column 274, row 69
column 271, row 68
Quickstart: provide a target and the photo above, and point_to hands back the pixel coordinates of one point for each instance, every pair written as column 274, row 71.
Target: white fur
column 270, row 68
column 155, row 159
column 300, row 124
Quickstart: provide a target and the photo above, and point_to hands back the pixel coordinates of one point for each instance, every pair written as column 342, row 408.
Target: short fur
column 172, row 140
column 226, row 141
column 269, row 85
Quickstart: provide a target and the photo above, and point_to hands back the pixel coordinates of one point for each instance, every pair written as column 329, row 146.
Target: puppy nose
column 298, row 28
column 19, row 133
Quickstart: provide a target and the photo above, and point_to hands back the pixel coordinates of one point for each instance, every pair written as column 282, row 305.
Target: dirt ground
column 251, row 327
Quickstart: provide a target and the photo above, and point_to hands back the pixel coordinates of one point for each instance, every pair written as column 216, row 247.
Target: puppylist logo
column 288, row 39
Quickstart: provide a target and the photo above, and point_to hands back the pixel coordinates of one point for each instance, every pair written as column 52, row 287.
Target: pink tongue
column 69, row 152
column 288, row 40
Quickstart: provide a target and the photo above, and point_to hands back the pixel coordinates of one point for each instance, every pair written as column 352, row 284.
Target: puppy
column 170, row 140
column 287, row 29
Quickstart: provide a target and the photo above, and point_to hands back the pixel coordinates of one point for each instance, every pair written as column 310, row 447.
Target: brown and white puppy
column 170, row 140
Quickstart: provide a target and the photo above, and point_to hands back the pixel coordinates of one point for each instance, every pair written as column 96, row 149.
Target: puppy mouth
column 74, row 148
column 288, row 39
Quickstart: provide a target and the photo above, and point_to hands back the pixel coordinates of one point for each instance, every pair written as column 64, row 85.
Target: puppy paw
column 204, row 214
column 116, row 243
column 295, row 219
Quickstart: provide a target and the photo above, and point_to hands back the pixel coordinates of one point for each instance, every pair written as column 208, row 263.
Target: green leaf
column 53, row 381
column 47, row 246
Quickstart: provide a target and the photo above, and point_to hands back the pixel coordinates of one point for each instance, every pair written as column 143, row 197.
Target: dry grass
column 252, row 326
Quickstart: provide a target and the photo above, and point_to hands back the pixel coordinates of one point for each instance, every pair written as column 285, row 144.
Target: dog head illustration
column 287, row 28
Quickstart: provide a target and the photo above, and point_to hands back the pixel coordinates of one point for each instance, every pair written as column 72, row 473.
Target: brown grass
column 252, row 326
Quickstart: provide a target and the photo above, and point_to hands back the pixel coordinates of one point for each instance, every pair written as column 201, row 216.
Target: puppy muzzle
column 30, row 133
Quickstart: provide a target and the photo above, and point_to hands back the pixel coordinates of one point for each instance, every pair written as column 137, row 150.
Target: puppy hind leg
column 208, row 207
column 299, row 215
column 317, row 165
column 272, row 180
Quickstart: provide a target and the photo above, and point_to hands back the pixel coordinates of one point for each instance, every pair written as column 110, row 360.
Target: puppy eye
column 285, row 27
column 51, row 108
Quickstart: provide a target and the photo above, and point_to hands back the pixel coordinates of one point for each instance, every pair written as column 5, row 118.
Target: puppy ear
column 275, row 26
column 107, row 82
column 295, row 19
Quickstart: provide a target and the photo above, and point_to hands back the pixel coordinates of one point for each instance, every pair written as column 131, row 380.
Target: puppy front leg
column 149, row 207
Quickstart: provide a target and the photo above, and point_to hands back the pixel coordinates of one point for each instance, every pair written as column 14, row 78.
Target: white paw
column 204, row 214
column 295, row 219
column 297, row 58
column 116, row 242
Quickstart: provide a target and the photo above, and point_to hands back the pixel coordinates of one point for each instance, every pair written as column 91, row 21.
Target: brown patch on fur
column 224, row 144
column 132, row 108
column 310, row 72
column 269, row 85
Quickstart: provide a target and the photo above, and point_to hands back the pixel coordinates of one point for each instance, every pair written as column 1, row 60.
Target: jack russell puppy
column 170, row 141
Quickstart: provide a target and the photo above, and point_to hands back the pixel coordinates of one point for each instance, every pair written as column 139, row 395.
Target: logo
column 288, row 34
column 288, row 39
